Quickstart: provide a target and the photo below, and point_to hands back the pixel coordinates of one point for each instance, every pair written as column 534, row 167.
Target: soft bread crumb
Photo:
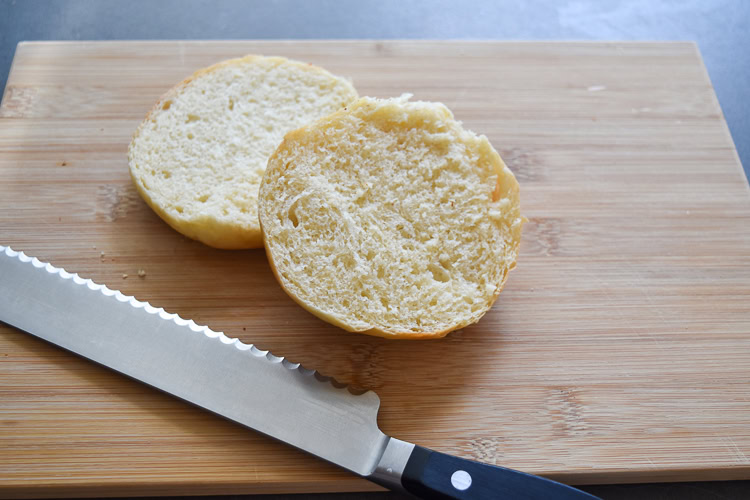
column 198, row 157
column 388, row 218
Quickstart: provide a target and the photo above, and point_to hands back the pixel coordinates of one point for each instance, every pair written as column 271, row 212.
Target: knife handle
column 430, row 474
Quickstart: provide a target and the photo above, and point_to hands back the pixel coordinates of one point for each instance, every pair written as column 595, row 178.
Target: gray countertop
column 720, row 27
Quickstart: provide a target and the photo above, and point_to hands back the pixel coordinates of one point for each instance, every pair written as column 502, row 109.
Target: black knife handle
column 429, row 474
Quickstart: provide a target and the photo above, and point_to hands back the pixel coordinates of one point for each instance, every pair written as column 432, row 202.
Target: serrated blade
column 206, row 368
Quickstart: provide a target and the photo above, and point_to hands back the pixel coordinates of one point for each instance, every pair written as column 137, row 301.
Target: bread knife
column 242, row 383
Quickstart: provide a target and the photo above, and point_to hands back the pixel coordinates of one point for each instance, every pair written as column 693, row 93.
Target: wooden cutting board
column 618, row 352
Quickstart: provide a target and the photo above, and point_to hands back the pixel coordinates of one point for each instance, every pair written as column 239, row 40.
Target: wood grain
column 619, row 351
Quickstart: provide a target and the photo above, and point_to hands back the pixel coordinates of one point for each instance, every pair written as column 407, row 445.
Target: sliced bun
column 388, row 218
column 198, row 157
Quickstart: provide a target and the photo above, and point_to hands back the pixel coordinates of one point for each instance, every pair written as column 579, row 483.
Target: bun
column 388, row 218
column 199, row 156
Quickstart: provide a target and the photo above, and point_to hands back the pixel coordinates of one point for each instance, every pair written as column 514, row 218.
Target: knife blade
column 242, row 383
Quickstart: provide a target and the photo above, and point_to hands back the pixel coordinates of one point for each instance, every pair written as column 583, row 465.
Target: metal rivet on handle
column 461, row 480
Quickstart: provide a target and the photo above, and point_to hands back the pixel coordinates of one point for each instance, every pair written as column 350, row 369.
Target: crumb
column 64, row 164
column 94, row 247
column 124, row 276
column 244, row 329
column 141, row 273
column 101, row 255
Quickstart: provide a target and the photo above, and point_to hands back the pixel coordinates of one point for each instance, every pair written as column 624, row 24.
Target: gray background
column 720, row 27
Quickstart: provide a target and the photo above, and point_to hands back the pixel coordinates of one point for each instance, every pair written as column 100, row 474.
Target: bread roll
column 198, row 157
column 388, row 218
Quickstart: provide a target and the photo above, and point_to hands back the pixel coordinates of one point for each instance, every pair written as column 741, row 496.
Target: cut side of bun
column 199, row 156
column 389, row 218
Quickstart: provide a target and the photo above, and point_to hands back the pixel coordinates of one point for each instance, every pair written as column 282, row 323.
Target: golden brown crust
column 505, row 177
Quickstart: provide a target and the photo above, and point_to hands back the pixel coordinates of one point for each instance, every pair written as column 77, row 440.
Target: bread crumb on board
column 141, row 273
column 124, row 276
